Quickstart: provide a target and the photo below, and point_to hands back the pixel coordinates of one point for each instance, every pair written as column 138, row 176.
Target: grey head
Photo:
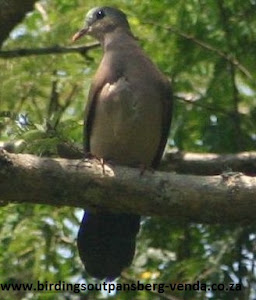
column 102, row 20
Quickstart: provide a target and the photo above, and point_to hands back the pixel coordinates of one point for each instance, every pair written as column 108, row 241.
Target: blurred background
column 207, row 49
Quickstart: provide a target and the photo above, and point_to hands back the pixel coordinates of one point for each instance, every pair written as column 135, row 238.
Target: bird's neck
column 116, row 38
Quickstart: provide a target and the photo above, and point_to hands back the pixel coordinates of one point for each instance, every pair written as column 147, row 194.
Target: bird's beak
column 80, row 33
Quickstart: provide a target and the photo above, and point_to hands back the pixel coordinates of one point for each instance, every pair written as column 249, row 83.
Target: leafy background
column 207, row 49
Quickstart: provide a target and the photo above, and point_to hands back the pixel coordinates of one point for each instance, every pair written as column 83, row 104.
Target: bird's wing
column 89, row 114
column 104, row 75
column 167, row 101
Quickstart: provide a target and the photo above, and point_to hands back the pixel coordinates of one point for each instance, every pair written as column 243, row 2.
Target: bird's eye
column 100, row 14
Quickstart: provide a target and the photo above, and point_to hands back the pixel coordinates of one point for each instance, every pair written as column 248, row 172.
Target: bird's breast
column 127, row 124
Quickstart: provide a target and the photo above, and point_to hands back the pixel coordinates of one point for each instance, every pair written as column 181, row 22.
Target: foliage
column 207, row 49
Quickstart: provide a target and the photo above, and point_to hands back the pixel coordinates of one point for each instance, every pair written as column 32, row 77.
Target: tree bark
column 210, row 163
column 226, row 198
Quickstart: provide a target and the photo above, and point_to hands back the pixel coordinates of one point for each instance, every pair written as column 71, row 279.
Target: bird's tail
column 106, row 243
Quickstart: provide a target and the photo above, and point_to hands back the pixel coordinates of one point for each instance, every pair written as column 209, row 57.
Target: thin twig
column 208, row 47
column 204, row 106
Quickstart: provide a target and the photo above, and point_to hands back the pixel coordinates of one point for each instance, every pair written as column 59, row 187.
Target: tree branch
column 206, row 199
column 47, row 50
column 174, row 161
column 210, row 163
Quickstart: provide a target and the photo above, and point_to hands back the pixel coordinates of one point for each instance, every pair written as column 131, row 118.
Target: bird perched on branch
column 127, row 121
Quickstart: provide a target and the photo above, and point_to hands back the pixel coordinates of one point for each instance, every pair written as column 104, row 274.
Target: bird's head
column 102, row 20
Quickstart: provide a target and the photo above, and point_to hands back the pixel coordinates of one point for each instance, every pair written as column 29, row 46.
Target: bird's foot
column 86, row 156
column 89, row 155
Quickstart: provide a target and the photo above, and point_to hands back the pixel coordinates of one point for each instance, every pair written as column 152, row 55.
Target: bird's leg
column 87, row 155
column 102, row 162
column 143, row 169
